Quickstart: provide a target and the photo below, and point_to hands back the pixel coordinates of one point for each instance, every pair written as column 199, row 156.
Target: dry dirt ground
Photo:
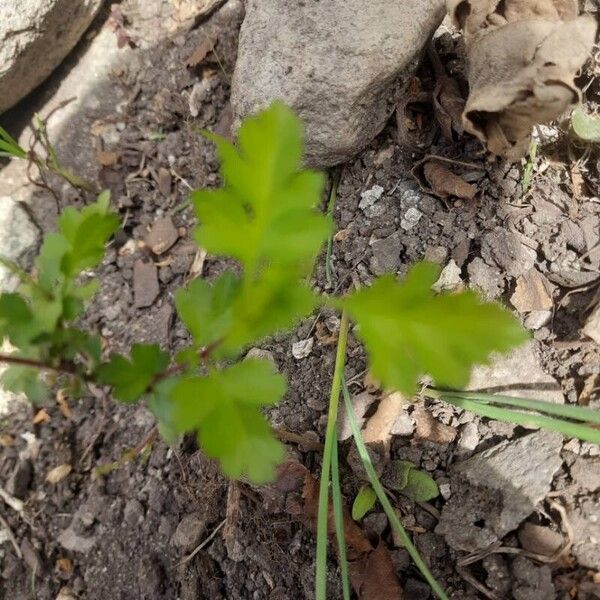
column 125, row 534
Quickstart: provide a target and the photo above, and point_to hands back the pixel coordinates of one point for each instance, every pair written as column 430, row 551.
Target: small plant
column 266, row 218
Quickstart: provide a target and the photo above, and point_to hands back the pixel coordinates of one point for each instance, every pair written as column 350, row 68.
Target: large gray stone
column 336, row 62
column 497, row 489
column 35, row 36
column 19, row 239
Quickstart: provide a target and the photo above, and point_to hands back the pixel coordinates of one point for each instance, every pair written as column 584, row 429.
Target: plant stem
column 330, row 440
column 385, row 503
column 338, row 515
column 330, row 207
column 67, row 368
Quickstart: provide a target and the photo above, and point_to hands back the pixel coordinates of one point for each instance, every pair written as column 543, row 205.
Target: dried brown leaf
column 523, row 57
column 63, row 405
column 430, row 429
column 57, row 474
column 444, row 183
column 41, row 416
column 374, row 577
column 107, row 159
column 361, row 403
column 201, row 51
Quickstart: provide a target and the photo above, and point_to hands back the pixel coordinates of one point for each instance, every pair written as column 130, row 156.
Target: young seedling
column 266, row 217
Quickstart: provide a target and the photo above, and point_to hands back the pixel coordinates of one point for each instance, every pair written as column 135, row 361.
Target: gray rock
column 189, row 532
column 19, row 235
column 368, row 201
column 386, row 254
column 468, row 439
column 532, row 582
column 73, row 542
column 35, row 36
column 498, row 488
column 585, row 473
column 410, row 219
column 485, row 278
column 586, row 530
column 336, row 63
column 504, row 248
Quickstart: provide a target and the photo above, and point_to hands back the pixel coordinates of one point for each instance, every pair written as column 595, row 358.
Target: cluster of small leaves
column 406, row 479
column 37, row 318
column 266, row 218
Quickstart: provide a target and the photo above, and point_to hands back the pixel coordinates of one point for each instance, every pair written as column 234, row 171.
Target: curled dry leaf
column 57, row 474
column 41, row 416
column 436, row 178
column 430, row 429
column 523, row 56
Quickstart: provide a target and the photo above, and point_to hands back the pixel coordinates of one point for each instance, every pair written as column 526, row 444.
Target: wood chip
column 145, row 283
column 41, row 416
column 162, row 235
column 378, row 429
column 164, row 181
column 57, row 474
column 430, row 429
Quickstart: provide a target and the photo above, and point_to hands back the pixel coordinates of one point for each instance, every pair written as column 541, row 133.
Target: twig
column 13, row 502
column 203, row 544
column 11, row 535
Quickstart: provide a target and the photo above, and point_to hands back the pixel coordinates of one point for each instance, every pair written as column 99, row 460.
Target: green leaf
column 206, row 309
column 420, row 486
column 161, row 405
column 86, row 232
column 365, row 500
column 586, row 127
column 24, row 380
column 276, row 303
column 266, row 213
column 408, row 331
column 9, row 147
column 224, row 408
column 131, row 379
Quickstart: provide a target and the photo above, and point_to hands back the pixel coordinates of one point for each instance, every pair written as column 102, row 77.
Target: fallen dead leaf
column 430, row 429
column 57, row 474
column 324, row 336
column 41, row 416
column 6, row 440
column 63, row 405
column 374, row 578
column 197, row 264
column 201, row 51
column 523, row 57
column 342, row 234
column 532, row 292
column 414, row 105
column 64, row 565
column 378, row 429
column 444, row 183
column 107, row 159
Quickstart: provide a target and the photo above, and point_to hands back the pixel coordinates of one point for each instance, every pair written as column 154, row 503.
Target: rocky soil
column 130, row 517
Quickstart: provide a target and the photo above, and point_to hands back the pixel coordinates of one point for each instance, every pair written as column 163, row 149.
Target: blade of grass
column 576, row 413
column 330, row 440
column 383, row 499
column 330, row 207
column 575, row 430
column 338, row 516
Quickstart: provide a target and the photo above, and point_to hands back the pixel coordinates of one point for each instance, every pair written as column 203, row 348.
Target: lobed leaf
column 408, row 331
column 224, row 408
column 131, row 379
